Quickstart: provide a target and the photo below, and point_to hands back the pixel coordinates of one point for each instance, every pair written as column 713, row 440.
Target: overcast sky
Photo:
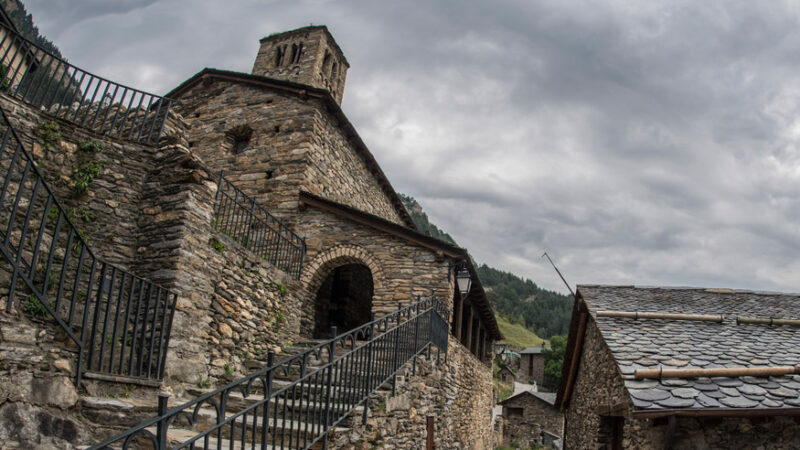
column 648, row 143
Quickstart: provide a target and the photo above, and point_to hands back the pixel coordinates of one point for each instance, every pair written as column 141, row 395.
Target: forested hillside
column 521, row 301
column 24, row 23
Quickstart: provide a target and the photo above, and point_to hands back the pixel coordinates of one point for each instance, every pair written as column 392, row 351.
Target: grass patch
column 517, row 335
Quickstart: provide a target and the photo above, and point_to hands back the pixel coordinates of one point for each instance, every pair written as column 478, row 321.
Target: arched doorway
column 344, row 299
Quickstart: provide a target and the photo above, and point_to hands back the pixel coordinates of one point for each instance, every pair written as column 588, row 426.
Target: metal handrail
column 44, row 80
column 112, row 316
column 374, row 353
column 239, row 217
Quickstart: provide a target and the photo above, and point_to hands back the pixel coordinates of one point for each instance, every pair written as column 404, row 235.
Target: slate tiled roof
column 531, row 350
column 681, row 344
column 547, row 397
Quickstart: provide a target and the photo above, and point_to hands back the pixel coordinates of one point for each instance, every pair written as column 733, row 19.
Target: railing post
column 416, row 338
column 369, row 367
column 217, row 204
column 396, row 350
column 326, row 419
column 250, row 223
column 161, row 427
column 267, row 396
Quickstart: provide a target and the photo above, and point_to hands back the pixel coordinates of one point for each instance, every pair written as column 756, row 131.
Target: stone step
column 177, row 437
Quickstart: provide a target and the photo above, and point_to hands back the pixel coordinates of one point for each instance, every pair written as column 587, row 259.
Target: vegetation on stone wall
column 545, row 313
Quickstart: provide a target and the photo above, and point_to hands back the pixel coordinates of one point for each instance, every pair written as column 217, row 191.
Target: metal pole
column 326, row 418
column 161, row 427
column 368, row 387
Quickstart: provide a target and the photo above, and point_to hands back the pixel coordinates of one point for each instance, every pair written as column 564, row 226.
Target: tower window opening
column 280, row 52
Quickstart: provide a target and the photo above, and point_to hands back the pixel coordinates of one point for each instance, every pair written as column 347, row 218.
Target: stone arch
column 316, row 270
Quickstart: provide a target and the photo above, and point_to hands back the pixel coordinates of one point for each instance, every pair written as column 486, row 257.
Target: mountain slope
column 543, row 312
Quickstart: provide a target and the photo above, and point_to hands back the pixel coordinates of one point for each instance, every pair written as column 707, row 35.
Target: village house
column 506, row 375
column 531, row 365
column 531, row 418
column 681, row 368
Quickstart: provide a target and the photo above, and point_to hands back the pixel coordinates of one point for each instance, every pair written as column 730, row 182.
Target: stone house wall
column 457, row 393
column 336, row 172
column 533, row 364
column 401, row 270
column 537, row 415
column 295, row 145
column 599, row 385
column 272, row 167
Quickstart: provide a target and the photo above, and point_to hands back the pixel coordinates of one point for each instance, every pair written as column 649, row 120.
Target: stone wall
column 107, row 212
column 233, row 307
column 295, row 144
column 456, row 393
column 537, row 415
column 537, row 361
column 272, row 167
column 401, row 270
column 37, row 394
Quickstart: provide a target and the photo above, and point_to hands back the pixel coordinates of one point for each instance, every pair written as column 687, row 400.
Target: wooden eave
column 572, row 354
column 477, row 294
column 304, row 91
column 715, row 412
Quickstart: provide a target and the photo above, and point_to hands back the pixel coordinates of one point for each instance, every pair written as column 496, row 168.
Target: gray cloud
column 648, row 143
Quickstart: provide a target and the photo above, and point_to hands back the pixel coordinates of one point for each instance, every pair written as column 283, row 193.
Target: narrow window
column 326, row 61
column 294, row 54
column 280, row 52
column 297, row 52
column 333, row 70
column 515, row 412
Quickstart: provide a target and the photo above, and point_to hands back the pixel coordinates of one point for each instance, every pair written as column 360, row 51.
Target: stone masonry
column 537, row 415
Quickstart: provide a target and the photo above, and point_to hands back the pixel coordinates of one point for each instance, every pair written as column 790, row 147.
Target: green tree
column 554, row 360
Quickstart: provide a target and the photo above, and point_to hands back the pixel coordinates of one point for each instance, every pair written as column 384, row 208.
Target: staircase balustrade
column 120, row 323
column 292, row 403
column 46, row 81
column 241, row 219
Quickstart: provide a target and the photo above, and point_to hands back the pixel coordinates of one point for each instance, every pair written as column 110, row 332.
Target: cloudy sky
column 648, row 143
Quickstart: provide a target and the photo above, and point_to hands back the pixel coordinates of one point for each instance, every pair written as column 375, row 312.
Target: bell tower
column 307, row 55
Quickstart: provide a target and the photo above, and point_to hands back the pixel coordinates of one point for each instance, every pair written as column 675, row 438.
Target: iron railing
column 120, row 323
column 46, row 81
column 241, row 219
column 292, row 404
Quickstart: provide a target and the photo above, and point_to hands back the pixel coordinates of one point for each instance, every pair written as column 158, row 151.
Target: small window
column 297, row 52
column 326, row 61
column 514, row 412
column 239, row 136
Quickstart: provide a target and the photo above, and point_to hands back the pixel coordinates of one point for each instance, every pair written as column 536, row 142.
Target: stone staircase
column 296, row 417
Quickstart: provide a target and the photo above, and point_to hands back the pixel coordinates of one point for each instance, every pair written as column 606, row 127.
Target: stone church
column 189, row 205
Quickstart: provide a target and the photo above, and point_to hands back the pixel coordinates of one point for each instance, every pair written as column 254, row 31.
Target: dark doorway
column 344, row 300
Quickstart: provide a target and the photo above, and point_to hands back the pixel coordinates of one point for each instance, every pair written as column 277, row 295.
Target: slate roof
column 531, row 350
column 681, row 344
column 547, row 397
